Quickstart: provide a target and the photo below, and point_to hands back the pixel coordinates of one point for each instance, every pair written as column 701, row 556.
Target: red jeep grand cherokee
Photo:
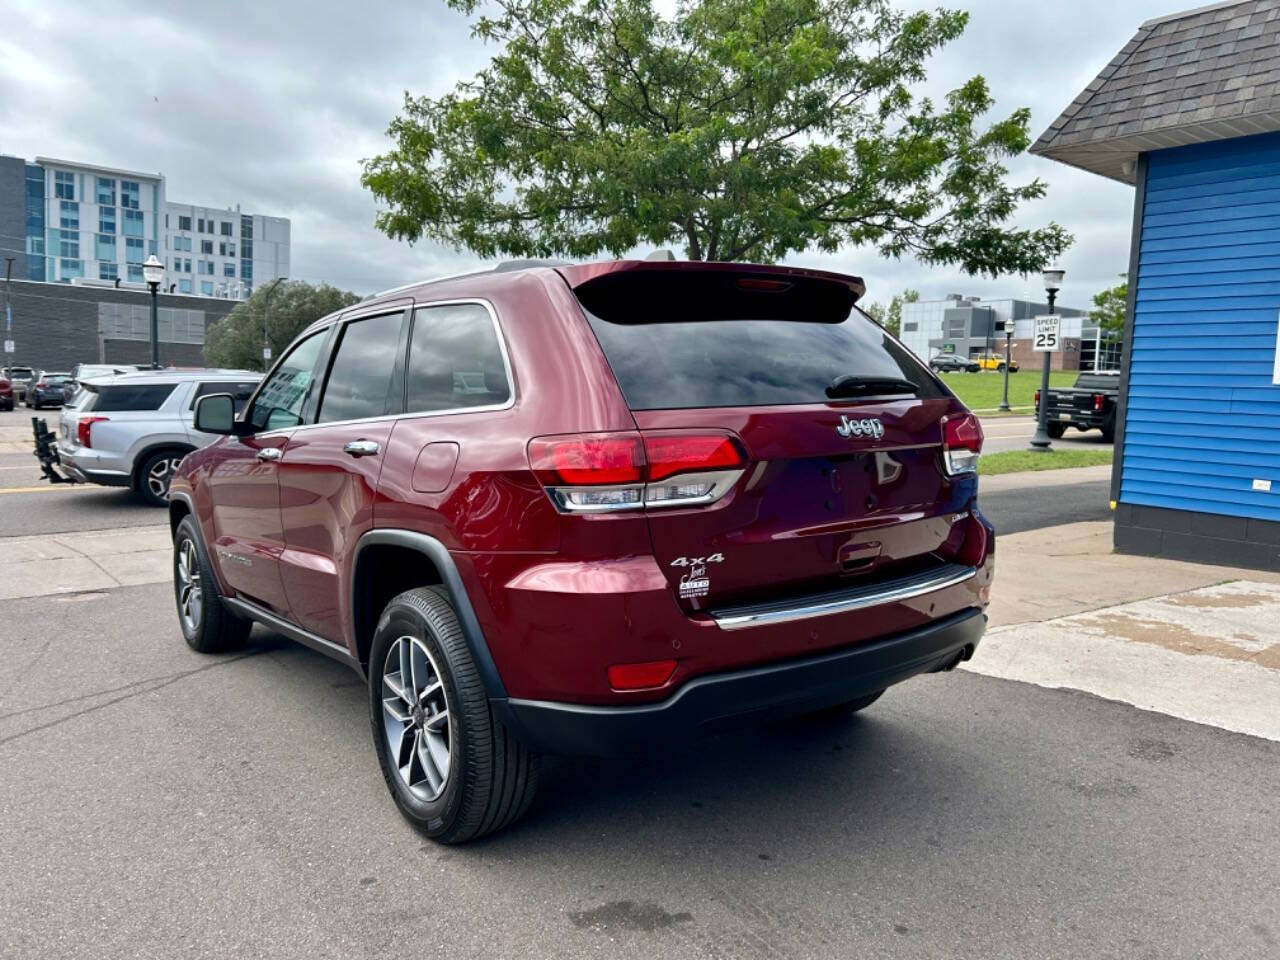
column 588, row 509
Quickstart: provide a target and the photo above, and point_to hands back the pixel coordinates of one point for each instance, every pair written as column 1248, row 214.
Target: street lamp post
column 1052, row 284
column 1008, row 352
column 153, row 273
column 266, row 315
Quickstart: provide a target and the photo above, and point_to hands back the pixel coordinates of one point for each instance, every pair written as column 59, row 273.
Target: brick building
column 57, row 325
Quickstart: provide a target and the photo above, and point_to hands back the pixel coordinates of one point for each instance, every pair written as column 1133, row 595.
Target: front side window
column 455, row 360
column 279, row 403
column 359, row 383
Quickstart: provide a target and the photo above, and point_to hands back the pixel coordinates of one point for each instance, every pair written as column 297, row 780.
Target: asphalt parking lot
column 157, row 803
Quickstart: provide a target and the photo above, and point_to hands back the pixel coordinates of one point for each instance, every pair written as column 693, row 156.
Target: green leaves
column 1109, row 308
column 740, row 129
column 236, row 341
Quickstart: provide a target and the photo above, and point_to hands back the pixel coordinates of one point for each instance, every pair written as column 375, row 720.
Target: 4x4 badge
column 868, row 427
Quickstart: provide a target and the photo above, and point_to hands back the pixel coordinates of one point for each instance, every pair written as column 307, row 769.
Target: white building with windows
column 85, row 224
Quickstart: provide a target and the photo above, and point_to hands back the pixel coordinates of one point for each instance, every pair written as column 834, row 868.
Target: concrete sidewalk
column 1194, row 641
column 86, row 561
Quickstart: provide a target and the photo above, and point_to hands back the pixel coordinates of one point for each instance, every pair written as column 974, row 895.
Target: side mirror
column 216, row 413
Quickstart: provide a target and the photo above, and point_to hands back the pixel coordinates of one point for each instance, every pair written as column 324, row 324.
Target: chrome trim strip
column 893, row 592
column 294, row 632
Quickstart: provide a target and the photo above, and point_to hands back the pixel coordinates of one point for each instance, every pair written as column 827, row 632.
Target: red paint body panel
column 560, row 597
column 326, row 503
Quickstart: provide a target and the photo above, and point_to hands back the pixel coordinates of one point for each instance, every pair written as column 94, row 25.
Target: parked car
column 586, row 510
column 994, row 361
column 1089, row 405
column 88, row 371
column 19, row 377
column 46, row 390
column 950, row 362
column 133, row 429
column 6, row 393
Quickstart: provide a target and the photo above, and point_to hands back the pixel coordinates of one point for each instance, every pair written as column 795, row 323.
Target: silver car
column 132, row 430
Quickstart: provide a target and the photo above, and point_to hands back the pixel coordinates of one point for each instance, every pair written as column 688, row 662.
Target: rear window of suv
column 689, row 339
column 121, row 397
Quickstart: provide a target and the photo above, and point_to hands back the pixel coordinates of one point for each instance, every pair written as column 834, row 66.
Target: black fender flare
column 451, row 580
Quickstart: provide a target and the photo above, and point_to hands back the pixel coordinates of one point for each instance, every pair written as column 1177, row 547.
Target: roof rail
column 506, row 266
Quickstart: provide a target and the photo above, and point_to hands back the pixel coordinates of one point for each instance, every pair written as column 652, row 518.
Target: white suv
column 132, row 430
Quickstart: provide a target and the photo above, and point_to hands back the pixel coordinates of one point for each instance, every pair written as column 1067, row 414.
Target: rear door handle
column 270, row 453
column 361, row 448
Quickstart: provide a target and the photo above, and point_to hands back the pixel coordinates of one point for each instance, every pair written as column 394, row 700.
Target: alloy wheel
column 190, row 590
column 415, row 715
column 160, row 474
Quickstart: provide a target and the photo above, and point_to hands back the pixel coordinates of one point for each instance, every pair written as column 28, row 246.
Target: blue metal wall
column 1203, row 416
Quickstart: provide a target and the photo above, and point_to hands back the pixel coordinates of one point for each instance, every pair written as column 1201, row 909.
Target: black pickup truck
column 1089, row 405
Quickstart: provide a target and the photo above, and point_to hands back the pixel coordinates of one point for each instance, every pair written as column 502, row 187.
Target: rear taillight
column 83, row 429
column 1098, row 401
column 594, row 473
column 961, row 443
column 42, row 385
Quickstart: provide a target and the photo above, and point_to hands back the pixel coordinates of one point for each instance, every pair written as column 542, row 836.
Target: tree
column 1109, row 309
column 236, row 341
column 891, row 317
column 740, row 129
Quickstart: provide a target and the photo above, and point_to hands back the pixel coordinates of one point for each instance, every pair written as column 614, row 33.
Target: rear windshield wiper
column 852, row 385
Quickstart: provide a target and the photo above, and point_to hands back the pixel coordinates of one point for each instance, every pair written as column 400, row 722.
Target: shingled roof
column 1207, row 74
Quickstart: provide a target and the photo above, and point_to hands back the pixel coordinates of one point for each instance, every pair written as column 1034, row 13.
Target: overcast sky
column 274, row 104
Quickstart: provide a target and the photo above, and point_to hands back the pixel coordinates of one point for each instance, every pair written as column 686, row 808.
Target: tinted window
column 279, row 404
column 240, row 391
column 455, row 360
column 130, row 396
column 708, row 340
column 363, row 367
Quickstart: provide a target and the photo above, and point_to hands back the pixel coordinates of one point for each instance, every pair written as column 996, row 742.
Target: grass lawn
column 1015, row 461
column 982, row 391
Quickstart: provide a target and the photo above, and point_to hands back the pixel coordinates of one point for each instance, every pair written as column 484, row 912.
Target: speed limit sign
column 1046, row 339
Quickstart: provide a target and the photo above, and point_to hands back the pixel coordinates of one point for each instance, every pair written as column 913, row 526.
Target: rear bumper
column 86, row 470
column 1077, row 418
column 709, row 701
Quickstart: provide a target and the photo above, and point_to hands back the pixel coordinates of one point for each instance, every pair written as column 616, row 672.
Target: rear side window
column 455, row 360
column 121, row 397
column 689, row 339
column 240, row 392
column 364, row 364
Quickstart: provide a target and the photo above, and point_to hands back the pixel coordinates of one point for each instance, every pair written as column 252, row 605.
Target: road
column 1014, row 433
column 160, row 803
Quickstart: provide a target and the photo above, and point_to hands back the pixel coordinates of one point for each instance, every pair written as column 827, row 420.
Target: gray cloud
column 273, row 105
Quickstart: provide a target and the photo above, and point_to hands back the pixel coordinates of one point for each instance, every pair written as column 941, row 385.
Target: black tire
column 1000, row 368
column 148, row 479
column 1109, row 429
column 214, row 629
column 491, row 777
column 842, row 710
column 1057, row 430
